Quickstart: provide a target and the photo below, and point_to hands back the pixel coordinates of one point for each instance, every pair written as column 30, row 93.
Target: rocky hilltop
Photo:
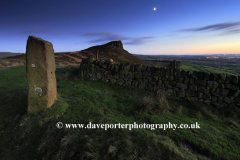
column 116, row 52
column 113, row 50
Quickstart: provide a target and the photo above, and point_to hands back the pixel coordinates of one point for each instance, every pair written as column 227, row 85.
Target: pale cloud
column 106, row 36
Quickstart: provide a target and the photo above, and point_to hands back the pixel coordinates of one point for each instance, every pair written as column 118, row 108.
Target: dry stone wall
column 219, row 90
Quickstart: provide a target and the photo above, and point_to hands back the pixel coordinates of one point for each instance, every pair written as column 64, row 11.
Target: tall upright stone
column 40, row 66
column 174, row 64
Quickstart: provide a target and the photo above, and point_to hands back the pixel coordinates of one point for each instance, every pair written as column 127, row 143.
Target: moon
column 154, row 8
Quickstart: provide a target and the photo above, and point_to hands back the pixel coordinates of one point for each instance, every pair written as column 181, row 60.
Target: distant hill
column 8, row 54
column 113, row 50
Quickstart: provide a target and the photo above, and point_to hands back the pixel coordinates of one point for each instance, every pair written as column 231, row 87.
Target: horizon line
column 177, row 54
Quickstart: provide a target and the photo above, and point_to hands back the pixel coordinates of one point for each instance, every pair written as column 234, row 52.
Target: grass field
column 36, row 136
column 195, row 62
column 193, row 67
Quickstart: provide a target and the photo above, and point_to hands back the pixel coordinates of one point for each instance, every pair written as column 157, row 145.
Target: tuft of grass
column 199, row 115
column 146, row 105
column 153, row 105
column 232, row 123
column 208, row 113
column 179, row 110
column 162, row 103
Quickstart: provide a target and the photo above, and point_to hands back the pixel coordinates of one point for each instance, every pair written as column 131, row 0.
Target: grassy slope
column 36, row 136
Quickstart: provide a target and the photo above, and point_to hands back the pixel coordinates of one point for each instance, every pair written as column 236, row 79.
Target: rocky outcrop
column 115, row 51
column 114, row 44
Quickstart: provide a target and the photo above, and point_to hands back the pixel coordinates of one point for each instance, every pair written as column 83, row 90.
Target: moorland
column 82, row 101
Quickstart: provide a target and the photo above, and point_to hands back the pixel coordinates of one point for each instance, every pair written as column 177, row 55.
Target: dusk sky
column 175, row 27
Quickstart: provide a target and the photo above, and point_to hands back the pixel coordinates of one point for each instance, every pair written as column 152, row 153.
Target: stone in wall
column 181, row 93
column 231, row 87
column 182, row 86
column 221, row 78
column 200, row 82
column 193, row 87
column 40, row 67
column 189, row 93
column 205, row 75
column 228, row 79
column 234, row 80
column 194, row 74
column 214, row 76
column 198, row 94
column 108, row 61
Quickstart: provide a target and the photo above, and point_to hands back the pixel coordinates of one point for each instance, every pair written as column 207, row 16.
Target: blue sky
column 175, row 27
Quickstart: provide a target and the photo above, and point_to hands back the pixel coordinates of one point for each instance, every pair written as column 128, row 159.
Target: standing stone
column 40, row 66
column 174, row 64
